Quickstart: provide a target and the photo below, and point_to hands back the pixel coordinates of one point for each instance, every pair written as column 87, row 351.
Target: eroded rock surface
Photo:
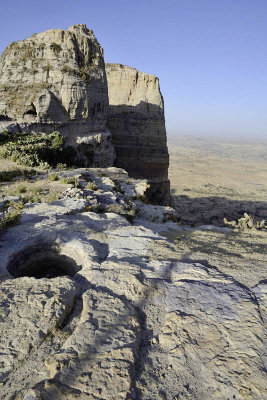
column 126, row 325
column 56, row 80
column 136, row 120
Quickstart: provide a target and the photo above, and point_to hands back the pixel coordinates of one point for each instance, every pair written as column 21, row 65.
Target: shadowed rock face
column 56, row 81
column 136, row 120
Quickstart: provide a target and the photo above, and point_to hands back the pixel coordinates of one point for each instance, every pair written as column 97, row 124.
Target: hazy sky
column 210, row 55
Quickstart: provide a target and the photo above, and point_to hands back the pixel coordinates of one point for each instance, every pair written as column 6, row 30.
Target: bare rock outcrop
column 56, row 80
column 114, row 321
column 136, row 120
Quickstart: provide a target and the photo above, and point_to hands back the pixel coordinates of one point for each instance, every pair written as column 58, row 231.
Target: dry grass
column 37, row 188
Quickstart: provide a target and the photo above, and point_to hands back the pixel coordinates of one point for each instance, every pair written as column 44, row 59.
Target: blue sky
column 210, row 55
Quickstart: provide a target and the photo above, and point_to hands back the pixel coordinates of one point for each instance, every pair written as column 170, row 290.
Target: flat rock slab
column 124, row 326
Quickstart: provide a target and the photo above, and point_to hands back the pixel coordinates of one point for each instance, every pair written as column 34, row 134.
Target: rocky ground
column 106, row 297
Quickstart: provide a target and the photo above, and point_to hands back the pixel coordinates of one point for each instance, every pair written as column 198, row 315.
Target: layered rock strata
column 117, row 322
column 56, row 81
column 136, row 120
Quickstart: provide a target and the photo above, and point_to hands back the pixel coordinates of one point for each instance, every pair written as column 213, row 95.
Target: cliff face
column 56, row 80
column 136, row 120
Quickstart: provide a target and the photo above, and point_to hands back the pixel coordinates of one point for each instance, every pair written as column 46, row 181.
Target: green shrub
column 8, row 176
column 53, row 177
column 91, row 186
column 22, row 188
column 35, row 190
column 57, row 141
column 61, row 166
column 56, row 47
column 118, row 187
column 51, row 197
column 70, row 180
column 36, row 150
column 12, row 217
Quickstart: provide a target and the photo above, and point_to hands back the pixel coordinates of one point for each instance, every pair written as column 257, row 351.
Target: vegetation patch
column 37, row 150
column 53, row 177
column 8, row 176
column 70, row 180
column 32, row 193
column 61, row 166
column 91, row 186
column 56, row 48
column 246, row 222
column 12, row 215
column 129, row 214
column 118, row 187
column 86, row 68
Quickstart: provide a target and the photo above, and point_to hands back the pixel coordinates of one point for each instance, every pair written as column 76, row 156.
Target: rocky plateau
column 90, row 311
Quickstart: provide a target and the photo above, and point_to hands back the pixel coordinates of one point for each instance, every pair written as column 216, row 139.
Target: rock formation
column 113, row 321
column 136, row 120
column 56, row 81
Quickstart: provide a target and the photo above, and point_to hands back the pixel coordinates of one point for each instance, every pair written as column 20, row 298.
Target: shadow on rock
column 212, row 210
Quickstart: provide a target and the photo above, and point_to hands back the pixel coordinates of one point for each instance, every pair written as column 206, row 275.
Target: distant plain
column 211, row 179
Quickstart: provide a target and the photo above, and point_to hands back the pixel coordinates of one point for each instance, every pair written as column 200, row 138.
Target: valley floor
column 214, row 178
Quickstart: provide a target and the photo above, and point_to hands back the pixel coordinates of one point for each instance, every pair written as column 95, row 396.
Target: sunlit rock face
column 136, row 120
column 94, row 306
column 56, row 80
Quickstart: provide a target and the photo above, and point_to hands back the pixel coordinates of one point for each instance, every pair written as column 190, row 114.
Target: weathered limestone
column 126, row 325
column 136, row 120
column 56, row 81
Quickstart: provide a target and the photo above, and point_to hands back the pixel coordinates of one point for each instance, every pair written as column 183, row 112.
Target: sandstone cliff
column 56, row 81
column 136, row 120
